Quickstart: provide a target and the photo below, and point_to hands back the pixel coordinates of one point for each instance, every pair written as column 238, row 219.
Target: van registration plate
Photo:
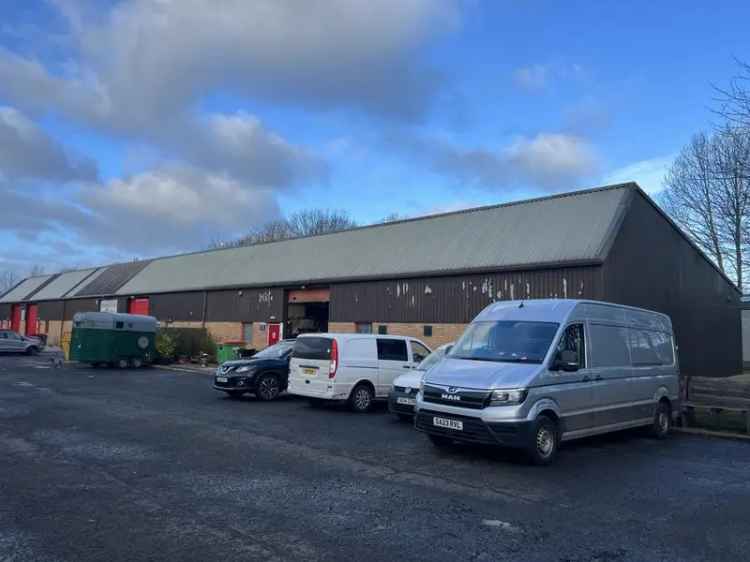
column 310, row 372
column 221, row 379
column 406, row 401
column 448, row 424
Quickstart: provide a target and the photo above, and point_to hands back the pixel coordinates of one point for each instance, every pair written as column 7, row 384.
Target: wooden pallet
column 689, row 408
column 716, row 396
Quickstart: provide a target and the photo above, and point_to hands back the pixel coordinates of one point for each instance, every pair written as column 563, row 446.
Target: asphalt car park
column 154, row 464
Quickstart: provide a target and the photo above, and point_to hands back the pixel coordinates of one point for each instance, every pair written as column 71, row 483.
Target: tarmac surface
column 155, row 465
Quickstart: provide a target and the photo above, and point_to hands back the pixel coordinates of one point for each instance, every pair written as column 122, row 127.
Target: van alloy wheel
column 361, row 399
column 268, row 387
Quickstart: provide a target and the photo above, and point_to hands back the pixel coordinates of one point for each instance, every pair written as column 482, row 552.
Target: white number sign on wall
column 108, row 305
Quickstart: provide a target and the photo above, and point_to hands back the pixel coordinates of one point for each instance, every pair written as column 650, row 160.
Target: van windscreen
column 312, row 348
column 506, row 341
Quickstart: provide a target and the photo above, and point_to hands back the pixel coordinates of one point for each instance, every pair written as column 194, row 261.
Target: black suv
column 266, row 374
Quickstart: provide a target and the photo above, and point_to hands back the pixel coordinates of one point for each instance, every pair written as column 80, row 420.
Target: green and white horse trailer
column 122, row 340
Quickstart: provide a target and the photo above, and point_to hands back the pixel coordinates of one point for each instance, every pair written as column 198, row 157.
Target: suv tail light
column 334, row 360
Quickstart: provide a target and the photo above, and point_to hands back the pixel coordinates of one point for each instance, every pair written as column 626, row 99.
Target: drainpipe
column 205, row 307
column 62, row 323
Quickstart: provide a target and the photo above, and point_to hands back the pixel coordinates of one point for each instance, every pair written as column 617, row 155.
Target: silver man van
column 532, row 374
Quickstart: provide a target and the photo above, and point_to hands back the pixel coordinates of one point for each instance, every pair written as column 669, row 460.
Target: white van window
column 609, row 346
column 312, row 348
column 573, row 340
column 392, row 350
column 643, row 348
column 418, row 351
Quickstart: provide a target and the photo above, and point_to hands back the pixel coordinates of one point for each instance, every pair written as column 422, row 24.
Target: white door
column 393, row 360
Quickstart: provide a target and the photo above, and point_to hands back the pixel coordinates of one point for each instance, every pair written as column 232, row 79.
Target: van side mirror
column 566, row 360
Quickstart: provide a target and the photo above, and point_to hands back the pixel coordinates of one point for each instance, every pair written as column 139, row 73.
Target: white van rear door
column 393, row 360
column 311, row 362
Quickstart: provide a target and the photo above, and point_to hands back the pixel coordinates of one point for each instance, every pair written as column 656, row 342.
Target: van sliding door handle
column 598, row 378
column 406, row 366
column 586, row 378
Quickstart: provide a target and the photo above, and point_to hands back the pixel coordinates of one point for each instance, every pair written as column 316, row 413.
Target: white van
column 531, row 374
column 358, row 368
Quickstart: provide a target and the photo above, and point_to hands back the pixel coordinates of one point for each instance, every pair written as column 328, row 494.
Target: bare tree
column 36, row 270
column 734, row 100
column 690, row 198
column 392, row 217
column 319, row 221
column 8, row 280
column 708, row 195
column 731, row 163
column 302, row 223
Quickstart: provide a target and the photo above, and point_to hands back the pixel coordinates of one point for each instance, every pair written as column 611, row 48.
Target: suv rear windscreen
column 312, row 348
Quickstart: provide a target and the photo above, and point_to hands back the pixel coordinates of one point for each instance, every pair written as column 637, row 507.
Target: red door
column 138, row 306
column 32, row 315
column 274, row 333
column 15, row 319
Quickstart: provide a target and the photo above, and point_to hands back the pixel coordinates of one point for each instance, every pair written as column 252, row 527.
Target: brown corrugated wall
column 456, row 299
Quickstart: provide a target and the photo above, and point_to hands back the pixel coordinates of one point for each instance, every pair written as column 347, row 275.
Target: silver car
column 13, row 342
column 532, row 374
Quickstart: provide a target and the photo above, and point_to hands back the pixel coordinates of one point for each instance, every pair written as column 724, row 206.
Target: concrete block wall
column 441, row 333
column 224, row 331
column 232, row 331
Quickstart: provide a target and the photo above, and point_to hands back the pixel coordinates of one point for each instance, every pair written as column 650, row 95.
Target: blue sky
column 143, row 127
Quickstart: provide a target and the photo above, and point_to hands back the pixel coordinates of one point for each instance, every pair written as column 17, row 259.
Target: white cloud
column 649, row 174
column 531, row 78
column 28, row 153
column 239, row 144
column 550, row 158
column 536, row 78
column 550, row 161
column 141, row 60
column 174, row 208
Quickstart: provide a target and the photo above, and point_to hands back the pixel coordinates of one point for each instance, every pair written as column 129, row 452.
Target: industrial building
column 425, row 277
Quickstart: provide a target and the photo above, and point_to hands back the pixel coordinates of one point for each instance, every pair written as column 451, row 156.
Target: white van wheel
column 544, row 441
column 361, row 398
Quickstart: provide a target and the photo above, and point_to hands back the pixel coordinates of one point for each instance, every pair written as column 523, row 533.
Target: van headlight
column 244, row 369
column 508, row 397
column 421, row 381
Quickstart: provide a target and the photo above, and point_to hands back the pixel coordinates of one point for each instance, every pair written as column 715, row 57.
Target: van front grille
column 460, row 397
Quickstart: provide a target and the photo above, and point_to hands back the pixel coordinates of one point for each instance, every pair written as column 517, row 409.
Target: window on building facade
column 247, row 332
column 364, row 327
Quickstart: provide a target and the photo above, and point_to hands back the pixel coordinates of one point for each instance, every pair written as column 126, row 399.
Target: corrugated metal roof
column 575, row 227
column 109, row 279
column 62, row 284
column 27, row 287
